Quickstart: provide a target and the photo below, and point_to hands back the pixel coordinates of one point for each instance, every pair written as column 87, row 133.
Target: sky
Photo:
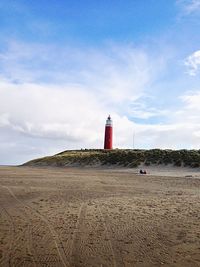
column 66, row 65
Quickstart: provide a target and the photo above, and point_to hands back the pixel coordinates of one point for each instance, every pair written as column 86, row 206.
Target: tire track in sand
column 7, row 256
column 82, row 211
column 75, row 240
column 6, row 259
column 52, row 231
column 117, row 260
column 26, row 234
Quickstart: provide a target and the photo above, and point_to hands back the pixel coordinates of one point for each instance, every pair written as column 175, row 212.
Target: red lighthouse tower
column 108, row 134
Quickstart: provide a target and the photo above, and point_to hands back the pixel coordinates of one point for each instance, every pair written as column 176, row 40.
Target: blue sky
column 66, row 65
column 90, row 22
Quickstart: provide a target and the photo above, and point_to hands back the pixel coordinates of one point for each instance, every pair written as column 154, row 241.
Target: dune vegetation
column 120, row 157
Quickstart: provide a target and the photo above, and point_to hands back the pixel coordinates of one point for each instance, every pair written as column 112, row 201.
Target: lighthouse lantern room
column 108, row 134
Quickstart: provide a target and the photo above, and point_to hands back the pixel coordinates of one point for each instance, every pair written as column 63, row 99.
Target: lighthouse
column 108, row 134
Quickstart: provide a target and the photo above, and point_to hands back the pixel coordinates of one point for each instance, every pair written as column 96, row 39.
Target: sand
column 93, row 217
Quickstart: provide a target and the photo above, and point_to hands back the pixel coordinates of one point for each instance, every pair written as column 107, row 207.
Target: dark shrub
column 178, row 163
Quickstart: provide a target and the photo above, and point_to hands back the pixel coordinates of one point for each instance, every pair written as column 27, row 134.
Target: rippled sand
column 89, row 217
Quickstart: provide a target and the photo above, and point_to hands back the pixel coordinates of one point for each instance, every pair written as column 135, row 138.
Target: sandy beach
column 76, row 217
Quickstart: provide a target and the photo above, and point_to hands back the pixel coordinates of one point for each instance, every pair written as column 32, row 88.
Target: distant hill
column 120, row 157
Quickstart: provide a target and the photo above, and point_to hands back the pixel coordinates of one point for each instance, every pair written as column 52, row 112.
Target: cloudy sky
column 65, row 65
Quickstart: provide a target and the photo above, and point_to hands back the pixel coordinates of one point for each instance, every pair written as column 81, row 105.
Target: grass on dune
column 121, row 157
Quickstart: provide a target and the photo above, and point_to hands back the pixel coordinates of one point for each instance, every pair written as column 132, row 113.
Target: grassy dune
column 121, row 157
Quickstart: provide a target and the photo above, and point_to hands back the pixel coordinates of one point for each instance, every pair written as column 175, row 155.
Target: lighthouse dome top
column 109, row 121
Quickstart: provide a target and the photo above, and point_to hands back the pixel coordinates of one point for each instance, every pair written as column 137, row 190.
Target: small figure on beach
column 143, row 171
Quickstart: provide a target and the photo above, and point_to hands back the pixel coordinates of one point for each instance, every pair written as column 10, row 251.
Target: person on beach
column 143, row 172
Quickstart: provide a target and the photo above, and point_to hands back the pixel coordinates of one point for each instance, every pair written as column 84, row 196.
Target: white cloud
column 181, row 131
column 140, row 109
column 115, row 73
column 47, row 111
column 39, row 120
column 52, row 100
column 192, row 62
column 62, row 96
column 189, row 6
column 192, row 101
column 185, row 122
